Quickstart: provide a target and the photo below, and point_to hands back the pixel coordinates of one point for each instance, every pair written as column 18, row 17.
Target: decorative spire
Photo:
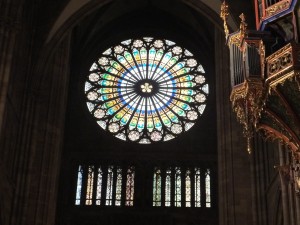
column 243, row 26
column 224, row 15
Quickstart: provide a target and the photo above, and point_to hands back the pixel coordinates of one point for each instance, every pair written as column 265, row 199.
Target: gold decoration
column 238, row 37
column 262, row 53
column 247, row 104
column 278, row 7
column 235, row 39
column 283, row 65
column 224, row 15
column 243, row 26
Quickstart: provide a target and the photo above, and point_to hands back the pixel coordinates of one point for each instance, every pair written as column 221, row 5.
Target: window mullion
column 95, row 184
column 173, row 186
column 114, row 186
column 104, row 185
column 183, row 186
column 84, row 184
column 163, row 186
column 193, row 181
column 203, row 194
column 124, row 185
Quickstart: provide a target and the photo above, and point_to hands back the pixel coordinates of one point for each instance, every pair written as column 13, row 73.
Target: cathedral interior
column 149, row 112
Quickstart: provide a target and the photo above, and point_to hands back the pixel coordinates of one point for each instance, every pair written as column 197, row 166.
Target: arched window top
column 146, row 90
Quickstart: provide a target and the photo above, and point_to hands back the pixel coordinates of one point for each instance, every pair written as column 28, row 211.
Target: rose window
column 146, row 90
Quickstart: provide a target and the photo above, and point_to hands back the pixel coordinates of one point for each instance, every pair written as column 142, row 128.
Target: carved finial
column 243, row 26
column 224, row 14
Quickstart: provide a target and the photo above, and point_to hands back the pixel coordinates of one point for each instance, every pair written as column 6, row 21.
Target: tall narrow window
column 157, row 187
column 130, row 186
column 188, row 188
column 109, row 186
column 207, row 189
column 177, row 187
column 168, row 188
column 118, row 187
column 99, row 187
column 197, row 188
column 182, row 188
column 89, row 188
column 79, row 185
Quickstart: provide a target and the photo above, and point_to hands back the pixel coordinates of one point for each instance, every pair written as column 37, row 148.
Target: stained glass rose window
column 146, row 90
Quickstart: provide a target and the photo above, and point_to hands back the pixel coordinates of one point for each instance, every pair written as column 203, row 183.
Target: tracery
column 146, row 90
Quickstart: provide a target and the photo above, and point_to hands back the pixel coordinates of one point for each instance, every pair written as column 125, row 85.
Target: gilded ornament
column 276, row 8
column 224, row 15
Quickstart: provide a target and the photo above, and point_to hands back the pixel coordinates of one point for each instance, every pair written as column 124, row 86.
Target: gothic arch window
column 178, row 186
column 103, row 185
column 146, row 90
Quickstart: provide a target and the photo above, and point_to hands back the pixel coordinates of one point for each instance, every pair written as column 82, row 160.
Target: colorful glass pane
column 168, row 188
column 197, row 189
column 89, row 186
column 188, row 186
column 109, row 185
column 146, row 90
column 118, row 187
column 207, row 189
column 130, row 186
column 99, row 187
column 177, row 187
column 79, row 186
column 157, row 187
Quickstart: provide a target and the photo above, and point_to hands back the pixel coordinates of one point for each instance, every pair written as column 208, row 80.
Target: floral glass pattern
column 146, row 90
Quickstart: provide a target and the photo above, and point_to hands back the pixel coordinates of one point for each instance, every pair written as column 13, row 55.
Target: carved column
column 41, row 138
column 259, row 180
column 290, row 202
column 10, row 14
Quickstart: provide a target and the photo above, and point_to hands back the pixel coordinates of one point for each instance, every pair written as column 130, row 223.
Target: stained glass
column 168, row 188
column 79, row 186
column 177, row 187
column 188, row 188
column 130, row 186
column 99, row 187
column 89, row 188
column 197, row 188
column 157, row 187
column 118, row 187
column 109, row 185
column 207, row 189
column 146, row 90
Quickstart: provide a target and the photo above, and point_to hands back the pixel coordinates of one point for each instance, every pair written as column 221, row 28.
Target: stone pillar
column 284, row 186
column 259, row 180
column 10, row 14
column 41, row 140
column 297, row 210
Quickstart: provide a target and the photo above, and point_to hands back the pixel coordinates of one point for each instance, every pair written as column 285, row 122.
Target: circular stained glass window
column 146, row 90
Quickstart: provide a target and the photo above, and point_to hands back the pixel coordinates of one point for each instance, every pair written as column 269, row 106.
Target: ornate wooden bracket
column 247, row 103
